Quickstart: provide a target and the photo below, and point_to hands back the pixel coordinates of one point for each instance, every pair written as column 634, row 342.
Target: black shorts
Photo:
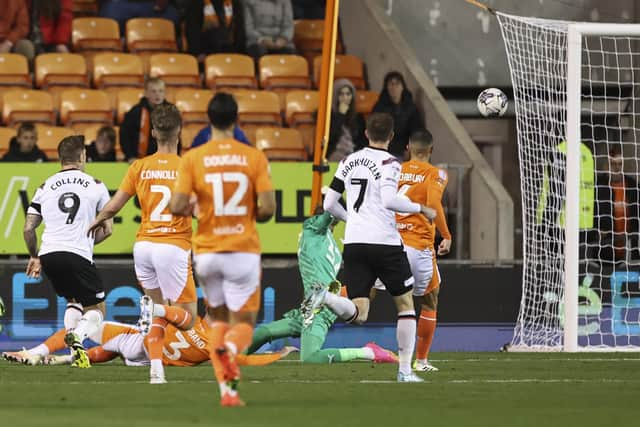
column 73, row 277
column 364, row 263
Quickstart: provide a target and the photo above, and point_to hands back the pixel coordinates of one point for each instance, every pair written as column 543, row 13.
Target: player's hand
column 445, row 247
column 97, row 226
column 33, row 267
column 428, row 212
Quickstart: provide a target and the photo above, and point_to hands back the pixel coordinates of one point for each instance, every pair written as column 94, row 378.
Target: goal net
column 580, row 200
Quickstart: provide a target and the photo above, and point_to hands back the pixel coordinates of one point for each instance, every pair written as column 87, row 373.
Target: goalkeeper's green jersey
column 319, row 257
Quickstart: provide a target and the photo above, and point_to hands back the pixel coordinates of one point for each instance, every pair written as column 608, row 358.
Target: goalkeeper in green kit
column 319, row 260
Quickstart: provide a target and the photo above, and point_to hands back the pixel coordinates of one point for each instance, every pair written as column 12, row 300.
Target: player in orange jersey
column 162, row 252
column 181, row 348
column 424, row 183
column 233, row 189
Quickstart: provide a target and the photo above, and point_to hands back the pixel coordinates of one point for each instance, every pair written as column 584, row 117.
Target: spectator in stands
column 123, row 10
column 269, row 27
column 396, row 99
column 346, row 133
column 103, row 149
column 205, row 134
column 308, row 9
column 617, row 212
column 136, row 139
column 23, row 147
column 214, row 26
column 51, row 25
column 14, row 29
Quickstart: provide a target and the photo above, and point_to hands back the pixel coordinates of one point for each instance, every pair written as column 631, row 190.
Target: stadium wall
column 371, row 34
column 33, row 311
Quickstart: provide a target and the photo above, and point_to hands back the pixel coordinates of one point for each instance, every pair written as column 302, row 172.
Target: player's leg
column 289, row 326
column 39, row 353
column 393, row 269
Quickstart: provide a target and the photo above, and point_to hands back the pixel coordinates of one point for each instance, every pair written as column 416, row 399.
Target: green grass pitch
column 472, row 389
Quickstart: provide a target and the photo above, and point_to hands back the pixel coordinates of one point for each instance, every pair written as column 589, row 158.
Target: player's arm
column 436, row 190
column 389, row 192
column 102, row 227
column 180, row 203
column 266, row 206
column 31, row 223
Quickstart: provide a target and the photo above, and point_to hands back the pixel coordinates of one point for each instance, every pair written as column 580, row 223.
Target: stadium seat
column 308, row 37
column 301, row 112
column 80, row 108
column 84, row 7
column 365, row 101
column 50, row 136
column 281, row 144
column 175, row 69
column 193, row 104
column 284, row 71
column 346, row 67
column 127, row 98
column 95, row 34
column 150, row 34
column 5, row 138
column 230, row 71
column 258, row 107
column 188, row 133
column 61, row 69
column 27, row 105
column 117, row 69
column 14, row 71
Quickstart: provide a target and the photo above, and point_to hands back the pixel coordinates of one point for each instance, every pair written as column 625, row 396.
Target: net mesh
column 609, row 296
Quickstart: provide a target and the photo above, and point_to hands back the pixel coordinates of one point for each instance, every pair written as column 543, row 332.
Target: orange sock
column 238, row 338
column 426, row 330
column 100, row 355
column 155, row 340
column 56, row 341
column 258, row 359
column 178, row 317
column 217, row 332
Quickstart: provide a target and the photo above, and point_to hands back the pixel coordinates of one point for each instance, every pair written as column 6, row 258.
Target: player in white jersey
column 67, row 203
column 372, row 245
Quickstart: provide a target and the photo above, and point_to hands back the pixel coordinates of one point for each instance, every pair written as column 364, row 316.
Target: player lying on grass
column 319, row 260
column 181, row 348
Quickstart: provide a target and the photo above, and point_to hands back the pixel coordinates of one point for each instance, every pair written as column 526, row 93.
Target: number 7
column 362, row 182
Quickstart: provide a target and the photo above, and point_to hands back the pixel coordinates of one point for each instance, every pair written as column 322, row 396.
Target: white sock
column 159, row 311
column 72, row 315
column 39, row 350
column 406, row 335
column 156, row 365
column 88, row 324
column 233, row 349
column 423, row 361
column 343, row 307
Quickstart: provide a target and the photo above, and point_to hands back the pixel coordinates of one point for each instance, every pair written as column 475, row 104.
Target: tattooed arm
column 31, row 239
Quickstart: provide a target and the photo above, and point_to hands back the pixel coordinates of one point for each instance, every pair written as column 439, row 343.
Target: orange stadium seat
column 309, row 35
column 150, row 34
column 193, row 104
column 27, row 105
column 300, row 113
column 5, row 138
column 82, row 107
column 117, row 69
column 281, row 144
column 127, row 98
column 258, row 107
column 50, row 136
column 346, row 67
column 84, row 7
column 14, row 71
column 284, row 71
column 230, row 71
column 61, row 69
column 95, row 34
column 175, row 69
column 366, row 100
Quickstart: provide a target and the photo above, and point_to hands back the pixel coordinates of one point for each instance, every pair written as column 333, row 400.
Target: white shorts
column 228, row 278
column 165, row 266
column 424, row 269
column 125, row 340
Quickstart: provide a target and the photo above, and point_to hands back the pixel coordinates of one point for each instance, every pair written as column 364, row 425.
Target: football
column 492, row 102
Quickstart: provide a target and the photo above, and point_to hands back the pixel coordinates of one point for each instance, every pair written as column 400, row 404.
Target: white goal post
column 575, row 97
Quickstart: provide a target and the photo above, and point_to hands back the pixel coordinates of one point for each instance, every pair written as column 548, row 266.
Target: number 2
column 156, row 213
column 362, row 182
column 70, row 210
column 232, row 207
